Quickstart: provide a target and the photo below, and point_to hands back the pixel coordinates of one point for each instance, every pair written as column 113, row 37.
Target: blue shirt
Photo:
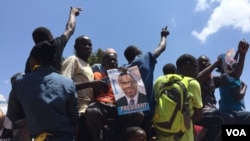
column 146, row 65
column 228, row 102
column 46, row 99
column 98, row 68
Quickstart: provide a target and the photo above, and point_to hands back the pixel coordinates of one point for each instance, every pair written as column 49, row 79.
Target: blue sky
column 197, row 27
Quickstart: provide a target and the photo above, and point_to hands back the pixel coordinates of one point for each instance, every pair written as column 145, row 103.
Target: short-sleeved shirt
column 195, row 92
column 228, row 101
column 196, row 102
column 146, row 65
column 59, row 43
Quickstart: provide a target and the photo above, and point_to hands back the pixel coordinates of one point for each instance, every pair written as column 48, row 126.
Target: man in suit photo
column 129, row 86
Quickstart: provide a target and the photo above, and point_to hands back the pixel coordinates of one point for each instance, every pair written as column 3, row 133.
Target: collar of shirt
column 135, row 99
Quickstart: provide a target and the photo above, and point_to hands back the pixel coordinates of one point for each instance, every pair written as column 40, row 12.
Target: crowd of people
column 68, row 99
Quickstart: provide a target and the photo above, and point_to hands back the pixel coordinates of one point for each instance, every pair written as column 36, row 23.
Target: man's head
column 109, row 50
column 128, row 84
column 203, row 62
column 42, row 53
column 131, row 52
column 187, row 65
column 109, row 60
column 83, row 47
column 41, row 34
column 169, row 68
column 135, row 133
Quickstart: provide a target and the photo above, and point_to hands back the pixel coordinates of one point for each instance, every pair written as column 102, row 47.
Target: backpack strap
column 185, row 97
column 178, row 106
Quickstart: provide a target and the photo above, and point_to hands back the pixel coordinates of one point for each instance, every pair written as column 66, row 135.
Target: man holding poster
column 104, row 106
column 129, row 90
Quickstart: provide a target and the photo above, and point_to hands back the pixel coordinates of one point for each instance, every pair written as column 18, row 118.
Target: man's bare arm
column 242, row 48
column 71, row 24
column 162, row 45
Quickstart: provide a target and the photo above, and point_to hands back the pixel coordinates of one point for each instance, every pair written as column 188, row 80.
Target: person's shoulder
column 192, row 81
column 15, row 76
column 159, row 78
column 99, row 75
column 62, row 78
column 122, row 98
column 59, row 42
column 142, row 98
column 60, row 39
column 121, row 101
column 146, row 55
column 141, row 58
column 65, row 82
column 97, row 65
column 71, row 58
column 142, row 94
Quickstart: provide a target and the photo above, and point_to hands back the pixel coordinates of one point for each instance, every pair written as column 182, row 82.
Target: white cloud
column 3, row 104
column 2, row 98
column 201, row 5
column 204, row 4
column 173, row 21
column 232, row 13
column 6, row 81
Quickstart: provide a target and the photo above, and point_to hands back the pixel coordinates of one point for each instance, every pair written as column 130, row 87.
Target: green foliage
column 96, row 57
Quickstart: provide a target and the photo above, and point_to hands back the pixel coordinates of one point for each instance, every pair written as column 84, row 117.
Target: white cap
column 110, row 50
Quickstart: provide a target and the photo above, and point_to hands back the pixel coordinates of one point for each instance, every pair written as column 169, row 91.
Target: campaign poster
column 129, row 90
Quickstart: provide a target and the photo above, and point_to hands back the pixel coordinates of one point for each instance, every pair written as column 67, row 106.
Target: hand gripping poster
column 129, row 90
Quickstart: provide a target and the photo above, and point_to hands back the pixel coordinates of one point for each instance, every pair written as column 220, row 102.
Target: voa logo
column 236, row 132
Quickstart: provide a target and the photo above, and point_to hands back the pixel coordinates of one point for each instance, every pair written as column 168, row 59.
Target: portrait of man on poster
column 129, row 86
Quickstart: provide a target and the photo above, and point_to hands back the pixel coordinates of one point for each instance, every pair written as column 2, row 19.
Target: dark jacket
column 142, row 98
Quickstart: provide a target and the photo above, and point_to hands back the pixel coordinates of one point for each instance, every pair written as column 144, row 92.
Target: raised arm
column 203, row 75
column 242, row 49
column 71, row 24
column 162, row 45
